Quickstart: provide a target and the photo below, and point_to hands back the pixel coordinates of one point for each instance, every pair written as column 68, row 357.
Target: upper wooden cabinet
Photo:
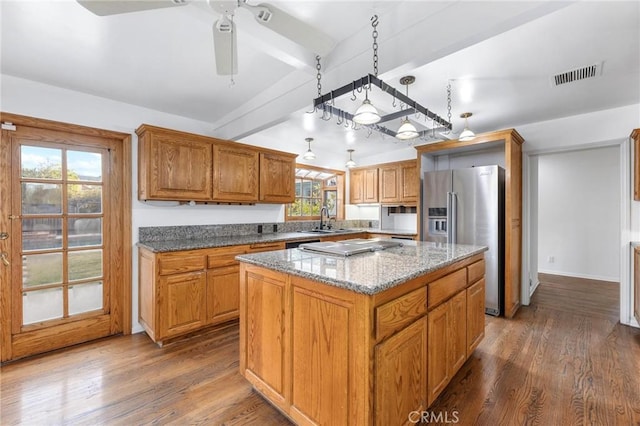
column 235, row 173
column 180, row 166
column 399, row 182
column 277, row 177
column 173, row 165
column 363, row 185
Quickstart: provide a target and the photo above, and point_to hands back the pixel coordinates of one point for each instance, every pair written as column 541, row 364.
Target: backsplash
column 167, row 233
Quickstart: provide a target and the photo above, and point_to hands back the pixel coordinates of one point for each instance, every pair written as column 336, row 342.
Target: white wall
column 20, row 96
column 579, row 213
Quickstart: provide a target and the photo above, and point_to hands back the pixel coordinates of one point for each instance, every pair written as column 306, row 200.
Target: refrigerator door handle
column 453, row 226
column 449, row 221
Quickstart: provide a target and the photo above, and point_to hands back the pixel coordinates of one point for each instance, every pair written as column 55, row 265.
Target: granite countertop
column 367, row 273
column 194, row 243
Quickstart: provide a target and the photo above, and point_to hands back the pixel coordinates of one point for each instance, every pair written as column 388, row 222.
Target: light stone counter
column 367, row 273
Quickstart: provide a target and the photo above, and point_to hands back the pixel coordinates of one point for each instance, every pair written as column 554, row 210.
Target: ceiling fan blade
column 116, row 7
column 225, row 46
column 291, row 27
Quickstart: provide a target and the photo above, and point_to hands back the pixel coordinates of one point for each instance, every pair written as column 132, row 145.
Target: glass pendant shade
column 309, row 155
column 366, row 113
column 350, row 163
column 407, row 130
column 466, row 135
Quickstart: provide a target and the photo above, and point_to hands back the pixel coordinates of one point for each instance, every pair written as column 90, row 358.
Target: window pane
column 315, row 207
column 298, row 187
column 330, row 200
column 39, row 269
column 306, row 207
column 295, row 208
column 85, row 232
column 85, row 264
column 41, row 305
column 85, row 198
column 40, row 163
column 85, row 297
column 39, row 234
column 306, row 188
column 41, row 198
column 316, row 189
column 84, row 166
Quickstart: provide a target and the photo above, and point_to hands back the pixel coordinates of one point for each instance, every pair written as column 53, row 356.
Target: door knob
column 5, row 258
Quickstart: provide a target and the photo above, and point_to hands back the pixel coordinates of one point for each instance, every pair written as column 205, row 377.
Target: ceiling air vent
column 577, row 74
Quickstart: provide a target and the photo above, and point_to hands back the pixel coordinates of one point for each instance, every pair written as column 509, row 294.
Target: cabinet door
column 277, row 178
column 409, row 182
column 401, row 375
column 178, row 168
column 458, row 332
column 438, row 335
column 475, row 315
column 389, row 184
column 636, row 283
column 356, row 186
column 223, row 298
column 181, row 303
column 235, row 171
column 370, row 189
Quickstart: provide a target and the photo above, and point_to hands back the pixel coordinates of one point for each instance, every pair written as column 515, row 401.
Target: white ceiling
column 499, row 56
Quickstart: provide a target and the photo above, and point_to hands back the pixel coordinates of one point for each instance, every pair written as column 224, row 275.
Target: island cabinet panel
column 475, row 315
column 265, row 338
column 321, row 344
column 277, row 178
column 401, row 375
column 182, row 300
column 173, row 165
column 438, row 332
column 458, row 332
column 235, row 173
column 398, row 313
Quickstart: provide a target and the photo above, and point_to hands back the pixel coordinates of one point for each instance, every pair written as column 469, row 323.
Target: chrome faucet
column 323, row 210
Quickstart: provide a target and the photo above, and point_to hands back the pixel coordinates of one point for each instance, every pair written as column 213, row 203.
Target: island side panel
column 264, row 333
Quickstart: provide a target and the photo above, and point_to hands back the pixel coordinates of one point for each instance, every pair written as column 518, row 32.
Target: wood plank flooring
column 563, row 360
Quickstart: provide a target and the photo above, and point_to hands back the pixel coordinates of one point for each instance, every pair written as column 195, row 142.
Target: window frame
column 339, row 188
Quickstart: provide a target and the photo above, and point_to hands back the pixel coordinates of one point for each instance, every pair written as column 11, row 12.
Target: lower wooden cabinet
column 401, row 374
column 184, row 291
column 475, row 315
column 636, row 283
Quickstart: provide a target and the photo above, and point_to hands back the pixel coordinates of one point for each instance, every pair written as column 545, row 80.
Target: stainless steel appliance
column 466, row 206
column 350, row 247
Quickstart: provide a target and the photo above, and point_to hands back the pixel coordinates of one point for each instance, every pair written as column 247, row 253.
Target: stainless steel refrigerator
column 466, row 206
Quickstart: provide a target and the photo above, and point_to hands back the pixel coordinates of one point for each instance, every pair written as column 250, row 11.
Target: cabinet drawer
column 475, row 271
column 225, row 256
column 398, row 313
column 255, row 248
column 445, row 287
column 172, row 263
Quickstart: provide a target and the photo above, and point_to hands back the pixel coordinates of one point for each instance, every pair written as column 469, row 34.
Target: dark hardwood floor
column 564, row 360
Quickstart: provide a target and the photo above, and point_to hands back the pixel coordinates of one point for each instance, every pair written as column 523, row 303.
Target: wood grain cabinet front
column 277, row 177
column 235, row 173
column 173, row 165
column 636, row 283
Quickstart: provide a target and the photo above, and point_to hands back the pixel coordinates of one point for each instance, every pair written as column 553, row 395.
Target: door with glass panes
column 61, row 247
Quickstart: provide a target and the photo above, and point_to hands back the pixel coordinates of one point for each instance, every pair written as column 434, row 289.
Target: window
column 315, row 188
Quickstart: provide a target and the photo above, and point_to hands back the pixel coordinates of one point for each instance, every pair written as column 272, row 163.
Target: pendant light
column 350, row 163
column 466, row 134
column 407, row 130
column 366, row 113
column 309, row 155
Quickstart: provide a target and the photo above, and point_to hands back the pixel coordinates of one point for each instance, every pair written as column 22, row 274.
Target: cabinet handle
column 5, row 258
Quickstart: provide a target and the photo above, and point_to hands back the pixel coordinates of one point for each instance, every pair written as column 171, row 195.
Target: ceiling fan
column 224, row 29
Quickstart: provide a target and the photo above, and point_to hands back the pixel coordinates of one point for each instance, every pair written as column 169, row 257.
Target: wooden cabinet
column 328, row 355
column 183, row 291
column 235, row 173
column 363, row 185
column 180, row 166
column 636, row 283
column 475, row 315
column 399, row 183
column 277, row 177
column 401, row 375
column 173, row 165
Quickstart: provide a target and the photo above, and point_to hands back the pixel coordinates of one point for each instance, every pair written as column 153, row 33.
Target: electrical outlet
column 275, row 228
column 259, row 229
column 551, row 259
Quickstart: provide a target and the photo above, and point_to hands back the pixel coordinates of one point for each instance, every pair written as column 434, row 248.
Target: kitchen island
column 366, row 339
